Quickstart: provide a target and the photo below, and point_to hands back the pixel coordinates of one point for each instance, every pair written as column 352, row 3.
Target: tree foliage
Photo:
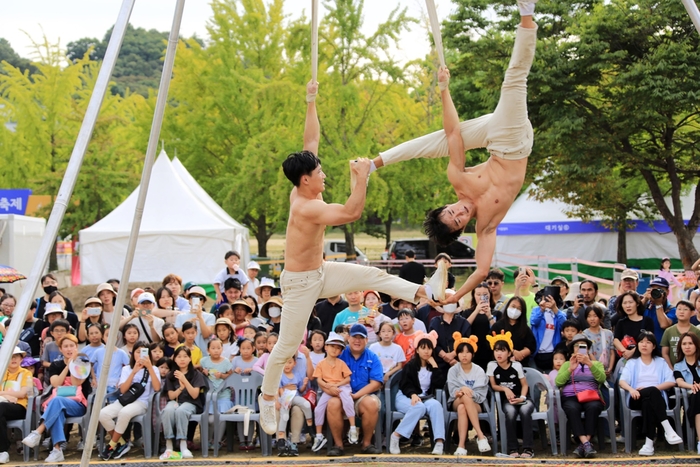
column 43, row 113
column 613, row 100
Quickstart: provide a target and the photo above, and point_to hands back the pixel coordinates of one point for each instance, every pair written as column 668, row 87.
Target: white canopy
column 183, row 231
column 534, row 228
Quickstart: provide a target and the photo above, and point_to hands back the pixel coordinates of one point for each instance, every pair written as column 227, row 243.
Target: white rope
column 435, row 27
column 314, row 40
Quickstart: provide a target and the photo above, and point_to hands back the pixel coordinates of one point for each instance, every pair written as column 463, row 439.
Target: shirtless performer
column 486, row 191
column 306, row 276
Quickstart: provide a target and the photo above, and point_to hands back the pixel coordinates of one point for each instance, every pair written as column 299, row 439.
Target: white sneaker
column 268, row 415
column 352, row 435
column 4, row 458
column 46, row 444
column 187, row 454
column 55, row 456
column 438, row 282
column 32, row 439
column 438, row 450
column 483, row 445
column 698, row 447
column 394, row 445
column 646, row 451
column 461, row 452
column 318, row 443
column 672, row 437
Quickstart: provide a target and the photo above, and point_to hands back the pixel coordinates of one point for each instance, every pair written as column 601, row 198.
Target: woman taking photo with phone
column 480, row 317
column 579, row 380
column 137, row 382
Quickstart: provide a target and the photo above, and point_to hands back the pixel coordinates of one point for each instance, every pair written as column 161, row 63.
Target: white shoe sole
column 438, row 282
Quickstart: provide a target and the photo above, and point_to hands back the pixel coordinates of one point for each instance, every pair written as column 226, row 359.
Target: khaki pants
column 506, row 133
column 300, row 291
column 123, row 414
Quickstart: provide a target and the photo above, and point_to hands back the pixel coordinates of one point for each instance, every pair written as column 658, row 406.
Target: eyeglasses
column 492, row 283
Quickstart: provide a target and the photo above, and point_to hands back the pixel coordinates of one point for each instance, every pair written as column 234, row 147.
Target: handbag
column 587, row 395
column 135, row 391
column 310, row 395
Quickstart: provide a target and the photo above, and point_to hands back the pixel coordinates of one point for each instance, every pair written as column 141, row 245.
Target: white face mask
column 514, row 313
column 449, row 308
column 274, row 311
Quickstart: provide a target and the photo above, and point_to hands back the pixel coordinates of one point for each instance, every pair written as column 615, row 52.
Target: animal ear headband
column 503, row 336
column 471, row 340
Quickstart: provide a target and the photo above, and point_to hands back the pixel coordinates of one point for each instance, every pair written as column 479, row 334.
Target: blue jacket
column 538, row 325
column 682, row 366
column 631, row 370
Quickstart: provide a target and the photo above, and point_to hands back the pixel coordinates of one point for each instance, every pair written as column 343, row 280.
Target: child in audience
column 156, row 351
column 130, row 334
column 343, row 331
column 672, row 335
column 292, row 385
column 95, row 333
column 260, row 343
column 508, row 378
column 120, row 359
column 189, row 331
column 249, row 332
column 232, row 270
column 171, row 338
column 225, row 332
column 333, row 373
column 558, row 359
column 569, row 329
column 217, row 369
column 390, row 354
column 58, row 329
column 31, row 364
column 261, row 364
column 317, row 342
column 243, row 363
column 601, row 338
column 164, row 366
column 405, row 338
column 468, row 387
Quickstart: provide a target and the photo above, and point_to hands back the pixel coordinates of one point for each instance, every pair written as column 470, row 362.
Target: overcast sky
column 68, row 20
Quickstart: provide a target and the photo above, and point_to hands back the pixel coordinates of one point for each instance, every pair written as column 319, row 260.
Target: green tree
column 614, row 87
column 8, row 54
column 47, row 109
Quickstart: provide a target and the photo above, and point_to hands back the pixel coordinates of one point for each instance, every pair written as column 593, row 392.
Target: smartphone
column 144, row 352
column 195, row 302
column 522, row 270
column 485, row 297
column 94, row 311
column 583, row 349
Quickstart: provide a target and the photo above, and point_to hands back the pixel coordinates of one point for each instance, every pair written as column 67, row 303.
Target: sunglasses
column 490, row 283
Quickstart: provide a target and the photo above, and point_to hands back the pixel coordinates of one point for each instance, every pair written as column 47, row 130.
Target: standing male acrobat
column 485, row 191
column 307, row 277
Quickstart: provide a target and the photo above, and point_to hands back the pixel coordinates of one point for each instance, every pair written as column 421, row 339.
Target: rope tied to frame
column 437, row 39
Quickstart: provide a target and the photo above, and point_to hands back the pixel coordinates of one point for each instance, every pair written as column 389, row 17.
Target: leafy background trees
column 613, row 98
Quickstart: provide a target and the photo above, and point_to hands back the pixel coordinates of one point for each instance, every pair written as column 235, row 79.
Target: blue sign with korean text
column 576, row 227
column 14, row 201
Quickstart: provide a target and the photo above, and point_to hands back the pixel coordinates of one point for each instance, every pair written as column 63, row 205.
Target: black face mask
column 49, row 289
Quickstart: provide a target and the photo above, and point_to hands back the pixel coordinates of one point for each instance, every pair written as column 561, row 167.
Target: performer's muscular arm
column 450, row 121
column 318, row 212
column 312, row 129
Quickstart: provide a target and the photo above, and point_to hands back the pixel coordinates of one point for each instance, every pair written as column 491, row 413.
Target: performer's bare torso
column 304, row 239
column 491, row 186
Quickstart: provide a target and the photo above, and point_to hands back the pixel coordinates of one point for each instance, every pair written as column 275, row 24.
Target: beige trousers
column 506, row 133
column 300, row 291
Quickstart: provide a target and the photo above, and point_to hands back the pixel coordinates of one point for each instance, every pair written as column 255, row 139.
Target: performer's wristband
column 443, row 85
column 310, row 98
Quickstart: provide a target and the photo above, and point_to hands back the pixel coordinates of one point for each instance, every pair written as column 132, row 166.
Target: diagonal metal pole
column 161, row 102
column 692, row 9
column 67, row 185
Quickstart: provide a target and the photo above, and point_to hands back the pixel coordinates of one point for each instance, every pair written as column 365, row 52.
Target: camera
column 579, row 297
column 656, row 294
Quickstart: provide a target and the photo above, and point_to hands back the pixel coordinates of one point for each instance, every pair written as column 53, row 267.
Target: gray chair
column 689, row 430
column 534, row 379
column 629, row 415
column 488, row 414
column 391, row 414
column 245, row 389
column 25, row 426
column 607, row 414
column 201, row 418
column 145, row 420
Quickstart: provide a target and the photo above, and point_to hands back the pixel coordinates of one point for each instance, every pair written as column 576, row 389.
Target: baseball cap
column 147, row 297
column 660, row 282
column 629, row 274
column 358, row 330
column 560, row 279
column 136, row 291
column 336, row 339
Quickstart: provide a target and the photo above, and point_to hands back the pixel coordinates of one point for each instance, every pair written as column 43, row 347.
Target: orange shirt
column 406, row 343
column 332, row 374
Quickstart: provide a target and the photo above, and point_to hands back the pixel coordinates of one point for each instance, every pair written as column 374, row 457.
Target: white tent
column 183, row 231
column 534, row 228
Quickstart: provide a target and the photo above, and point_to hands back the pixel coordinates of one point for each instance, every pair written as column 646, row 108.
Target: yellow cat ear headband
column 505, row 337
column 471, row 340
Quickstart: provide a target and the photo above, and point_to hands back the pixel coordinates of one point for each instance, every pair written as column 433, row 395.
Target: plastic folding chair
column 25, row 426
column 607, row 414
column 201, row 418
column 487, row 415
